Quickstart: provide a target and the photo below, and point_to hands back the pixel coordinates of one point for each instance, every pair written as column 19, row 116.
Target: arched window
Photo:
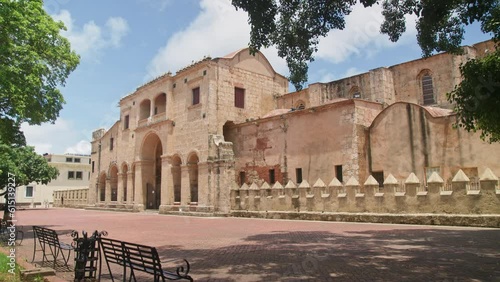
column 160, row 104
column 355, row 93
column 145, row 109
column 300, row 105
column 427, row 89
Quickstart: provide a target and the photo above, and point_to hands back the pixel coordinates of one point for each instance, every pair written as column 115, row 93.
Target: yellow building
column 74, row 174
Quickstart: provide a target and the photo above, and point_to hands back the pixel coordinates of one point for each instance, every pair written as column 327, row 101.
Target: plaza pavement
column 240, row 249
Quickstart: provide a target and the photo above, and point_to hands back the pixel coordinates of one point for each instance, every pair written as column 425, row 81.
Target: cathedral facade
column 183, row 141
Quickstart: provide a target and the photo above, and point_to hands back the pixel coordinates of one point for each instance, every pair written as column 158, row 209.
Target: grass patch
column 5, row 275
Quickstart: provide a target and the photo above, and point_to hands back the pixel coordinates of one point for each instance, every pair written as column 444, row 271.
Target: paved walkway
column 238, row 249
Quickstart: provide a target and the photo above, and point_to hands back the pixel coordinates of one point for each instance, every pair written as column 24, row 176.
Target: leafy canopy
column 295, row 26
column 34, row 60
column 25, row 164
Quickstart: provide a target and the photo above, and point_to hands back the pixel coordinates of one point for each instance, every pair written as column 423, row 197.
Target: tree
column 477, row 97
column 295, row 27
column 25, row 165
column 34, row 60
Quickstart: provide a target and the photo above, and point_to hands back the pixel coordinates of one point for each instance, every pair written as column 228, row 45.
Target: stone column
column 107, row 193
column 167, row 193
column 138, row 197
column 205, row 195
column 119, row 188
column 130, row 184
column 185, row 186
column 93, row 192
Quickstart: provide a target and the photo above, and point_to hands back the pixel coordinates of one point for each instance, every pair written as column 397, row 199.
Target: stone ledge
column 487, row 220
column 110, row 209
column 31, row 274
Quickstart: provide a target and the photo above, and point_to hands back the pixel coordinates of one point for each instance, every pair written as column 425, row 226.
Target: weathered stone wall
column 405, row 196
column 398, row 83
column 408, row 138
column 292, row 100
column 314, row 140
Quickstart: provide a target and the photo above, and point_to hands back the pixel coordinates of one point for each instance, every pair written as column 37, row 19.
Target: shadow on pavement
column 396, row 255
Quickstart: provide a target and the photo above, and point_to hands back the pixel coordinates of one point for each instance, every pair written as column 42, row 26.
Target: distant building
column 74, row 173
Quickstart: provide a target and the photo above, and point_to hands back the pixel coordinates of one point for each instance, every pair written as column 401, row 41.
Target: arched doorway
column 102, row 187
column 193, row 177
column 124, row 181
column 132, row 170
column 151, row 170
column 113, row 183
column 176, row 178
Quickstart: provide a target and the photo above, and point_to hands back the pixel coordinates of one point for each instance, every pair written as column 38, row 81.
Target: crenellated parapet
column 459, row 195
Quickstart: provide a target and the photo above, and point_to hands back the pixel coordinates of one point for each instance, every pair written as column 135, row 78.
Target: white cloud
column 62, row 136
column 351, row 72
column 82, row 147
column 361, row 36
column 217, row 30
column 91, row 38
column 325, row 76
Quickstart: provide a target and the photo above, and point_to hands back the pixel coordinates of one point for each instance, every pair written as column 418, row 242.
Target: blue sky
column 123, row 44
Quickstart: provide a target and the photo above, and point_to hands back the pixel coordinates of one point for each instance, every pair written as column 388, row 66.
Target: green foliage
column 477, row 98
column 25, row 164
column 295, row 26
column 440, row 24
column 35, row 60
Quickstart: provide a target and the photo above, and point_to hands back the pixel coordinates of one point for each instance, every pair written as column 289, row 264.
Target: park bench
column 140, row 258
column 48, row 240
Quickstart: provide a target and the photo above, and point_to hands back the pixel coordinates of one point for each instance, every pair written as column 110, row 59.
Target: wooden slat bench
column 48, row 240
column 140, row 258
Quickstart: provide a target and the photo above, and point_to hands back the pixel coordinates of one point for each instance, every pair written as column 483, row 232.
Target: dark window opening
column 242, row 177
column 111, row 143
column 77, row 160
column 69, row 160
column 71, row 175
column 379, row 176
column 272, row 177
column 126, row 122
column 79, row 175
column 196, row 96
column 29, row 191
column 338, row 173
column 93, row 166
column 239, row 97
column 298, row 174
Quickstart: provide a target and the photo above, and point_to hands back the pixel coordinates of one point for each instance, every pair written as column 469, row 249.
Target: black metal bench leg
column 34, row 248
column 65, row 259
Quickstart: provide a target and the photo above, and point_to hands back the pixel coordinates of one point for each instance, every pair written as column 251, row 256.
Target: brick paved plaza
column 239, row 249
